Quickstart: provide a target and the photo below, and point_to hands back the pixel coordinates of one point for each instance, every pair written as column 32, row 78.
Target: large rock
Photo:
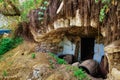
column 113, row 55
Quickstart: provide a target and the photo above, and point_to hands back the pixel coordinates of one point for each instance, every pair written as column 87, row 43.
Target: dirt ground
column 18, row 64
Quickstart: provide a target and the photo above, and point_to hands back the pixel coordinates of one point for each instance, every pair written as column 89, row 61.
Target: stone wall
column 62, row 47
column 48, row 47
column 113, row 55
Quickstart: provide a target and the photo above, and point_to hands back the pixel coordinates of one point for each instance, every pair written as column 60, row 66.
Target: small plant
column 5, row 73
column 80, row 74
column 59, row 61
column 33, row 55
column 77, row 72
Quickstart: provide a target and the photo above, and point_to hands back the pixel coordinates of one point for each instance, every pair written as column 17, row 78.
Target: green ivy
column 102, row 13
column 43, row 8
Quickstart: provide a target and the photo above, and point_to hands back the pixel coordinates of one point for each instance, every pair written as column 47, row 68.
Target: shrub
column 7, row 44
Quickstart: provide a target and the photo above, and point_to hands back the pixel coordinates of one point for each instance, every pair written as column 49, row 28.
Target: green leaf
column 96, row 1
column 40, row 13
column 45, row 2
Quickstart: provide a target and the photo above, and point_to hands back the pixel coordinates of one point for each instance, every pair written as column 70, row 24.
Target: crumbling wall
column 74, row 13
column 86, row 13
column 63, row 46
column 113, row 55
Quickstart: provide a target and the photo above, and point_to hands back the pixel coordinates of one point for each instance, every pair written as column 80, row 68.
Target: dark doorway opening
column 87, row 48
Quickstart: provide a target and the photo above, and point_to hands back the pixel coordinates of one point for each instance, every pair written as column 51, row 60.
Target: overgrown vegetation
column 59, row 61
column 7, row 44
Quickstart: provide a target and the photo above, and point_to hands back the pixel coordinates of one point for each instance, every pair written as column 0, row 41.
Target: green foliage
column 1, row 1
column 27, row 6
column 79, row 73
column 5, row 73
column 103, row 9
column 59, row 61
column 96, row 1
column 103, row 1
column 102, row 13
column 7, row 44
column 45, row 2
column 106, row 1
column 17, row 41
column 40, row 13
column 33, row 55
column 43, row 8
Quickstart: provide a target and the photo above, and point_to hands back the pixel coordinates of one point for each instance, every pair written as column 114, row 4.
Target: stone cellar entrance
column 87, row 48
